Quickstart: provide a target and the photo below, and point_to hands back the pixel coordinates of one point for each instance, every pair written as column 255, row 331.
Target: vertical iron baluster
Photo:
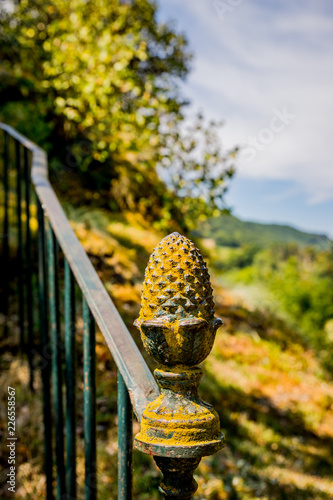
column 89, row 390
column 56, row 359
column 125, row 441
column 70, row 381
column 45, row 352
column 20, row 244
column 5, row 236
column 28, row 275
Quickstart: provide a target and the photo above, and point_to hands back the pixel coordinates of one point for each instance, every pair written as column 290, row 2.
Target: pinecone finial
column 176, row 320
column 178, row 328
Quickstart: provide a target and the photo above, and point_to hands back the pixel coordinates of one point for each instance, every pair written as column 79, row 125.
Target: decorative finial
column 178, row 328
column 176, row 320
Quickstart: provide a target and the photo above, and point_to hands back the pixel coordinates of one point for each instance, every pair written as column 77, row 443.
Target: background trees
column 97, row 85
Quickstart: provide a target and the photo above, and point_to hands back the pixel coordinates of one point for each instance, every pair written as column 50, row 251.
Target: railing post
column 28, row 262
column 45, row 344
column 70, row 372
column 56, row 346
column 89, row 401
column 4, row 303
column 125, row 441
column 178, row 328
column 20, row 243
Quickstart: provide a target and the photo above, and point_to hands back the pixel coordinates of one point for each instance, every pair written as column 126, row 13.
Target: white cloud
column 263, row 57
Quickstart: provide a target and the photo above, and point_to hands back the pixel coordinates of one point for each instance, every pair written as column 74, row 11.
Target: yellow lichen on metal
column 177, row 427
column 176, row 282
column 176, row 320
column 178, row 328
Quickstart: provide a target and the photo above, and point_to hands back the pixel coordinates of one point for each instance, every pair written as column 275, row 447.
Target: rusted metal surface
column 178, row 328
column 178, row 482
column 136, row 374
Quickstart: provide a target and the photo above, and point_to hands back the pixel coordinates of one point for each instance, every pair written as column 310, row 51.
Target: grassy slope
column 275, row 405
column 230, row 231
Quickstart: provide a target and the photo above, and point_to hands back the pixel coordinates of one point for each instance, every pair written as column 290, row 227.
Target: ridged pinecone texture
column 177, row 283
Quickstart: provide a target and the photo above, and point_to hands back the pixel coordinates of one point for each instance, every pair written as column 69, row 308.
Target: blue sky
column 266, row 70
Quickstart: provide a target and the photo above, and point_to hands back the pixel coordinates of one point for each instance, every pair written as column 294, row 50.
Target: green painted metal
column 45, row 352
column 5, row 237
column 28, row 267
column 56, row 345
column 137, row 385
column 89, row 401
column 125, row 441
column 70, row 381
column 18, row 160
column 137, row 376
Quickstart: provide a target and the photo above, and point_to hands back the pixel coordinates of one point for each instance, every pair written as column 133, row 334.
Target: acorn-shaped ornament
column 178, row 328
column 176, row 320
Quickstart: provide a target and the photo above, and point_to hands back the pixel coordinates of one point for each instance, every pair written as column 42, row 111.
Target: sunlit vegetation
column 273, row 395
column 102, row 83
column 97, row 84
column 295, row 283
column 228, row 231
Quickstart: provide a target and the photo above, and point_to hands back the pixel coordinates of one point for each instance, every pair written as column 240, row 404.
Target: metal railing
column 176, row 323
column 136, row 385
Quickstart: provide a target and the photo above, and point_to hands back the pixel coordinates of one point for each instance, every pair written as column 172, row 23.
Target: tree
column 96, row 83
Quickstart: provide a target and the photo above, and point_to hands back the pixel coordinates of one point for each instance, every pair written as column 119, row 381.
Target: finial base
column 178, row 482
column 178, row 327
column 178, row 423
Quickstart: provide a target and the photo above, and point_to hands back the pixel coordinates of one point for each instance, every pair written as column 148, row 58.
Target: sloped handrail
column 139, row 381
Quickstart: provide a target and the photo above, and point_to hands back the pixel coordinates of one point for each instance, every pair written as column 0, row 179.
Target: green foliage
column 274, row 401
column 232, row 232
column 226, row 258
column 195, row 170
column 97, row 85
column 292, row 271
column 301, row 281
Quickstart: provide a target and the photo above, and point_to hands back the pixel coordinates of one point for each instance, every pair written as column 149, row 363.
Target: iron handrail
column 139, row 381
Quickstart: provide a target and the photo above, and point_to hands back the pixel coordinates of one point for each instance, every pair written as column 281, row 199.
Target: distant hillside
column 227, row 230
